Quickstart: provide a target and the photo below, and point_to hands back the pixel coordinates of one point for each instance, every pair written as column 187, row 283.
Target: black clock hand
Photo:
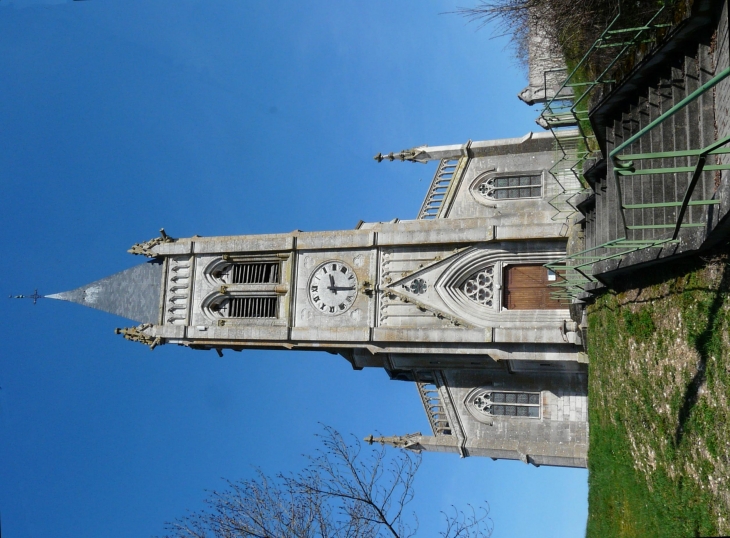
column 332, row 284
column 335, row 288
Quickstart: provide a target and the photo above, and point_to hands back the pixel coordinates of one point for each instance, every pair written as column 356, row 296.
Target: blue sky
column 219, row 117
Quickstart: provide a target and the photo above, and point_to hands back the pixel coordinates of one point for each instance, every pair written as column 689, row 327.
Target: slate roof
column 133, row 294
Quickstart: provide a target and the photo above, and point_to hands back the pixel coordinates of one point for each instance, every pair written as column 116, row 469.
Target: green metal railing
column 564, row 110
column 571, row 268
column 565, row 176
column 624, row 166
column 574, row 269
column 566, row 115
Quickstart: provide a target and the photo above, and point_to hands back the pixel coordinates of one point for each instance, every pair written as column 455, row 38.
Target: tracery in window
column 480, row 286
column 512, row 404
column 512, row 187
column 249, row 273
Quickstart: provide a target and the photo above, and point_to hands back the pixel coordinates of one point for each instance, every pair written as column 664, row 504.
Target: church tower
column 457, row 301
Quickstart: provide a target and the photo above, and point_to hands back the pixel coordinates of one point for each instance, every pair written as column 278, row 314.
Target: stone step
column 653, row 185
column 680, row 123
column 707, row 124
column 658, row 86
column 630, row 193
column 691, row 128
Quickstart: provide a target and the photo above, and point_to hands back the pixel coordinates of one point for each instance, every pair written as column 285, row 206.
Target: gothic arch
column 243, row 270
column 241, row 305
column 488, row 403
column 454, row 289
column 492, row 187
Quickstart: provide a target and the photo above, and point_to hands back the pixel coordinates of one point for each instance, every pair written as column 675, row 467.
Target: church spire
column 133, row 294
column 424, row 153
column 414, row 155
column 409, row 441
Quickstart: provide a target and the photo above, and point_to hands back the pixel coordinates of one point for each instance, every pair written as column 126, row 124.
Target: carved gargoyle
column 136, row 334
column 145, row 249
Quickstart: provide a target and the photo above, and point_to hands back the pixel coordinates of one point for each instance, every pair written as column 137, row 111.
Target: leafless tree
column 345, row 491
column 571, row 25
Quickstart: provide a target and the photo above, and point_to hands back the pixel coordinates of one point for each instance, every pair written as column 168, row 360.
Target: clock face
column 333, row 288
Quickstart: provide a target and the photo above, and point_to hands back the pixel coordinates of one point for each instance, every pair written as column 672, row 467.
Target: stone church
column 459, row 301
column 456, row 301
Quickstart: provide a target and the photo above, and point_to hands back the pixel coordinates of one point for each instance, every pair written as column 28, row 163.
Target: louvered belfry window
column 252, row 307
column 254, row 273
column 250, row 288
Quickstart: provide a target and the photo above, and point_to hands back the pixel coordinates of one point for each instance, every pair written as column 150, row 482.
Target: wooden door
column 526, row 288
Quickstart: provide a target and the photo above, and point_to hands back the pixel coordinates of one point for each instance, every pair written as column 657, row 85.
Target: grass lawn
column 659, row 392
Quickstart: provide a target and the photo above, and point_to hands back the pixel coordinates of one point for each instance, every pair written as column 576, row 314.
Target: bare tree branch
column 569, row 26
column 345, row 491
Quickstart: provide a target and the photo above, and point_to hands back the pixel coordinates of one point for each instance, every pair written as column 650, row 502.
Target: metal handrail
column 624, row 165
column 672, row 111
column 561, row 110
column 557, row 113
column 574, row 278
column 562, row 173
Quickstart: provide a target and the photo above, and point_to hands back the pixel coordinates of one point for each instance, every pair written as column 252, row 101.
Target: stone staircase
column 643, row 209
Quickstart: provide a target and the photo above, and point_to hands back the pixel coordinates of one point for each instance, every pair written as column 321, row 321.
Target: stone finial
column 145, row 249
column 137, row 334
column 408, row 441
column 414, row 155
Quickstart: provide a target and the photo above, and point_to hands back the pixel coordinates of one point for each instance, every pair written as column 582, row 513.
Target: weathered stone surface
column 133, row 294
column 396, row 299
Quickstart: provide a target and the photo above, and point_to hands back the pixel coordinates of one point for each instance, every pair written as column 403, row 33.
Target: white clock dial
column 333, row 287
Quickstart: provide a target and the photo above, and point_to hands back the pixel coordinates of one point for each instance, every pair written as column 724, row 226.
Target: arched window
column 510, row 404
column 248, row 273
column 511, row 187
column 248, row 287
column 245, row 307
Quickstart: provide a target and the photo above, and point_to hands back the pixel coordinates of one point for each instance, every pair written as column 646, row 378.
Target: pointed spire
column 133, row 294
column 413, row 155
column 409, row 441
column 425, row 153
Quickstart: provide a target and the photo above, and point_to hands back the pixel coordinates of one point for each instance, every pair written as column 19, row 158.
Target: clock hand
column 335, row 288
column 332, row 284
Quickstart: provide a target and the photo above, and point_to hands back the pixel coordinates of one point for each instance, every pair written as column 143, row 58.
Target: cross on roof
column 35, row 296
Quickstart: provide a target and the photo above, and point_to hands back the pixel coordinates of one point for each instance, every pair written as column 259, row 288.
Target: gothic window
column 512, row 187
column 246, row 307
column 510, row 404
column 249, row 273
column 480, row 286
